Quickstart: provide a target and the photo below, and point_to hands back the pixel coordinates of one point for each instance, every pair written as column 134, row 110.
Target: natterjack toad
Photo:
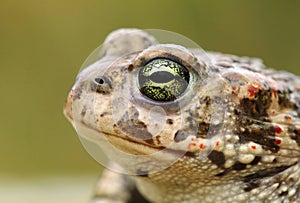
column 183, row 125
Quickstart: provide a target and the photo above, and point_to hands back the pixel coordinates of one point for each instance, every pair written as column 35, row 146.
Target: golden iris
column 163, row 80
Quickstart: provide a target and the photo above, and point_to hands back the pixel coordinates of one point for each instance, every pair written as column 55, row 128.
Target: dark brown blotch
column 251, row 185
column 238, row 166
column 130, row 67
column 283, row 193
column 170, row 121
column 203, row 129
column 136, row 196
column 83, row 112
column 257, row 107
column 217, row 158
column 142, row 173
column 253, row 181
column 78, row 91
column 295, row 134
column 256, row 160
column 104, row 114
column 180, row 136
column 284, row 99
column 259, row 132
column 132, row 126
column 264, row 173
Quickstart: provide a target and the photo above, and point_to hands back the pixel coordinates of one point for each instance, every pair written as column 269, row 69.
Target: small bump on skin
column 288, row 117
column 246, row 158
column 229, row 163
column 252, row 89
column 170, row 121
column 278, row 129
column 278, row 141
column 229, row 150
column 202, row 146
column 255, row 148
column 224, row 64
column 268, row 159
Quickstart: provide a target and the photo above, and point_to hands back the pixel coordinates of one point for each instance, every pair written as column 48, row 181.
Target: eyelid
column 172, row 52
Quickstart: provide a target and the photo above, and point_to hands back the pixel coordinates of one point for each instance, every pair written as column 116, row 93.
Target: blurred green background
column 44, row 42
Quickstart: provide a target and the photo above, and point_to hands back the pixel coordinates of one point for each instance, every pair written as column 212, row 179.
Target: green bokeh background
column 43, row 44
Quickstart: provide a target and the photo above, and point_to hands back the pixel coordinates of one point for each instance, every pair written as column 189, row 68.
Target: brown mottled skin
column 236, row 128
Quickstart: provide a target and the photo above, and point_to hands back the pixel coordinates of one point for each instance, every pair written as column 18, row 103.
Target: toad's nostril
column 100, row 81
column 101, row 85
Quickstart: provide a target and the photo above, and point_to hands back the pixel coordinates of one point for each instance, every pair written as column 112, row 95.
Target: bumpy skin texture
column 237, row 125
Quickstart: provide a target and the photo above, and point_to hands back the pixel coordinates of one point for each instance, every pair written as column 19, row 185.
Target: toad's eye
column 163, row 80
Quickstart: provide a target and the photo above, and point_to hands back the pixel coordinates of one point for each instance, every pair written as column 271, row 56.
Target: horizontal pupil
column 161, row 77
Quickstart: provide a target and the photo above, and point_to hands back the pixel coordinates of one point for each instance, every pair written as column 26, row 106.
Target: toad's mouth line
column 136, row 144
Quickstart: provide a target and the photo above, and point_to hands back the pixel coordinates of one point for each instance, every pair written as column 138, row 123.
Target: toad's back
column 195, row 126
